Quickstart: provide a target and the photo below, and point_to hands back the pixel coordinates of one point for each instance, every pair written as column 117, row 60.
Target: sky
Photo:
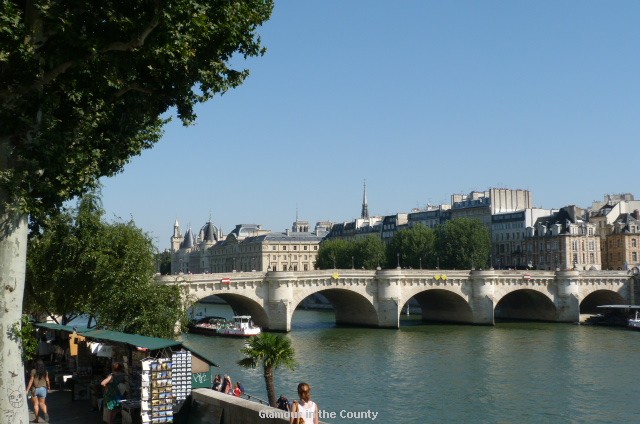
column 421, row 99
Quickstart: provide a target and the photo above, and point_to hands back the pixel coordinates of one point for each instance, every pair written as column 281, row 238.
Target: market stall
column 160, row 373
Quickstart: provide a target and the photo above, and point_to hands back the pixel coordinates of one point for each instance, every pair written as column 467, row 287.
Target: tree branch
column 132, row 87
column 11, row 94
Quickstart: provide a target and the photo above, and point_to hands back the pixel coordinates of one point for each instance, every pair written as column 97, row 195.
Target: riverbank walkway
column 63, row 410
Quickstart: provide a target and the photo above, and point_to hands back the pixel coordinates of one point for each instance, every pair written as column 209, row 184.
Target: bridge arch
column 589, row 304
column 526, row 304
column 440, row 305
column 351, row 307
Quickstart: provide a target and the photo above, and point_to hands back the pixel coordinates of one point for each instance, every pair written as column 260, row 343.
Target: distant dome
column 209, row 232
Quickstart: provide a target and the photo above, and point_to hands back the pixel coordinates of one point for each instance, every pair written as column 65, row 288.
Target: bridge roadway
column 376, row 298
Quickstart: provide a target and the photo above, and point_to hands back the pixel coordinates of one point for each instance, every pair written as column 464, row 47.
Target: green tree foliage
column 463, row 243
column 367, row 253
column 83, row 265
column 84, row 85
column 334, row 254
column 25, row 334
column 415, row 247
column 163, row 260
column 272, row 352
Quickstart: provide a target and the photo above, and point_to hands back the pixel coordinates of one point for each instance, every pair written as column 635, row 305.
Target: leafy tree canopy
column 463, row 243
column 367, row 253
column 414, row 246
column 81, row 265
column 83, row 85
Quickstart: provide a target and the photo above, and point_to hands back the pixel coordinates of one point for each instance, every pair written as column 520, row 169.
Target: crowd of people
column 225, row 385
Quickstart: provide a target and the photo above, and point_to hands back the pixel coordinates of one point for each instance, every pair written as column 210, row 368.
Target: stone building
column 248, row 247
column 508, row 233
column 621, row 247
column 483, row 205
column 563, row 240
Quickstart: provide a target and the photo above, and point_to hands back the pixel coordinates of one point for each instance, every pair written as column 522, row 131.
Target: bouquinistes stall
column 160, row 373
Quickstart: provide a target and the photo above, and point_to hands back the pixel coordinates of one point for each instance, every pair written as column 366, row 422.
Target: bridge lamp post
column 420, row 262
column 398, row 257
column 352, row 263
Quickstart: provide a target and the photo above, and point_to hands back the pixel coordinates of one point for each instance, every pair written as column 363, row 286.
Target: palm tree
column 272, row 351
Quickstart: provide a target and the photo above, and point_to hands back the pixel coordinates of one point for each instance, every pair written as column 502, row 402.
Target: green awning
column 136, row 340
column 54, row 326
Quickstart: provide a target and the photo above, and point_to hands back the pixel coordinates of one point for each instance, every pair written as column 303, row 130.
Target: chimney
column 636, row 214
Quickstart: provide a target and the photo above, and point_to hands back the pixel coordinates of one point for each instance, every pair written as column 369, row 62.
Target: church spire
column 365, row 206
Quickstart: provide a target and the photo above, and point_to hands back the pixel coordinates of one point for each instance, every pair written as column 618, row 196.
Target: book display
column 181, row 375
column 156, row 391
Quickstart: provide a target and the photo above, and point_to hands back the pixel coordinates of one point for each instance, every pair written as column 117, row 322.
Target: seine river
column 509, row 373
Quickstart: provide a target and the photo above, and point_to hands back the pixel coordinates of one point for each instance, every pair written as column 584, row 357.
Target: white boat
column 240, row 326
column 634, row 323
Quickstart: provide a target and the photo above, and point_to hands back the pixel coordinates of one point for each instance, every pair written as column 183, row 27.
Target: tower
column 364, row 214
column 176, row 238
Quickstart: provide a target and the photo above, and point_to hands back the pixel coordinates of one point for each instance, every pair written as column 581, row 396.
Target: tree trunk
column 271, row 387
column 13, row 257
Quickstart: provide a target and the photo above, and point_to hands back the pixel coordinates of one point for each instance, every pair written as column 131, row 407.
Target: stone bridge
column 376, row 298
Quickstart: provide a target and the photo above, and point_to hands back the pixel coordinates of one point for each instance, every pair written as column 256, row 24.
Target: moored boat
column 634, row 323
column 241, row 326
column 238, row 326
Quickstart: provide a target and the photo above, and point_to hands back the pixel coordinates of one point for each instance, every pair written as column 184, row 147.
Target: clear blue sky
column 422, row 99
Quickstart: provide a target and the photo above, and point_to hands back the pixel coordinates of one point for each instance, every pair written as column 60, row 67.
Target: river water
column 509, row 373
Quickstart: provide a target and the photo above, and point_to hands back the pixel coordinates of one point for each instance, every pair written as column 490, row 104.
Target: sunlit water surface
column 509, row 373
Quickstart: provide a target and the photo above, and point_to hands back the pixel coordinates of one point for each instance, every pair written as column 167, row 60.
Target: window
column 592, row 258
column 305, row 247
column 273, row 248
column 315, row 247
column 592, row 245
column 634, row 257
column 306, row 267
column 295, row 247
column 634, row 243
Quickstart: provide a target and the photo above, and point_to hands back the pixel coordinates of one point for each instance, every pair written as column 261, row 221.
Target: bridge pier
column 279, row 305
column 568, row 296
column 389, row 298
column 482, row 298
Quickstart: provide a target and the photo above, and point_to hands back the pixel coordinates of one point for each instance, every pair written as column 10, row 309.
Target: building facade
column 247, row 248
column 564, row 240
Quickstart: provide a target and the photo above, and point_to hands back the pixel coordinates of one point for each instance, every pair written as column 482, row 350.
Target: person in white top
column 305, row 408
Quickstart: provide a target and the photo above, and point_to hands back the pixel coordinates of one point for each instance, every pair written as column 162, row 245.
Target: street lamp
column 352, row 263
column 398, row 257
column 420, row 262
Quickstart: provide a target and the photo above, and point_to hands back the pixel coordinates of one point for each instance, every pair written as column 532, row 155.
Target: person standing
column 305, row 408
column 217, row 382
column 238, row 390
column 40, row 384
column 283, row 403
column 114, row 390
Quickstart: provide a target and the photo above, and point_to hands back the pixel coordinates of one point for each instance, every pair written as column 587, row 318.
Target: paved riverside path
column 63, row 410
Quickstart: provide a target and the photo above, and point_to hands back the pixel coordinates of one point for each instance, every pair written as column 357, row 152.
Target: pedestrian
column 238, row 390
column 305, row 410
column 283, row 403
column 217, row 382
column 115, row 389
column 39, row 385
column 226, row 386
